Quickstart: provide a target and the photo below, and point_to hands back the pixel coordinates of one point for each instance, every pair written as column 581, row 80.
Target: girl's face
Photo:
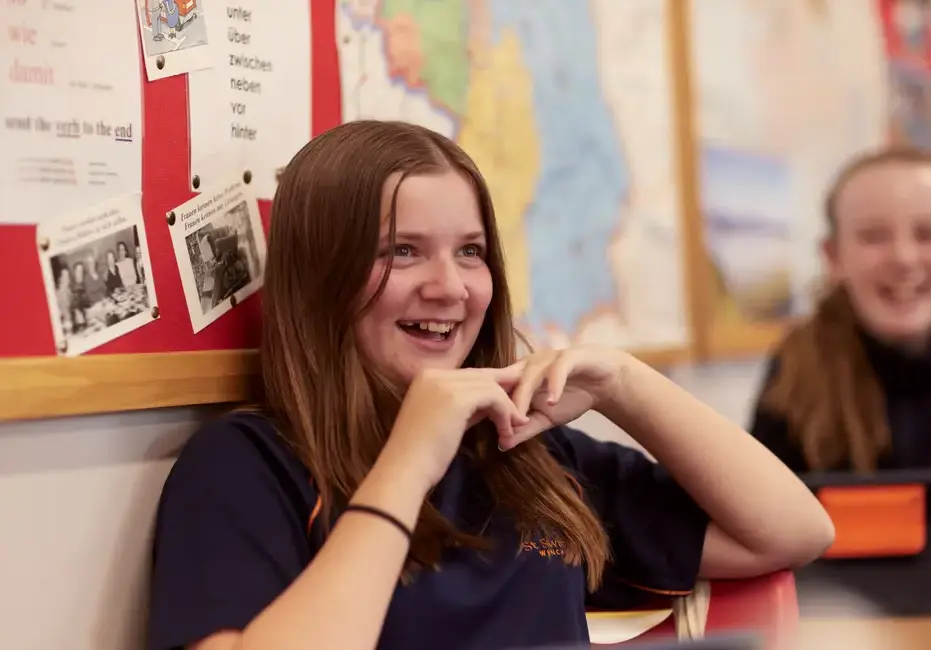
column 64, row 278
column 121, row 251
column 434, row 301
column 111, row 260
column 79, row 273
column 881, row 250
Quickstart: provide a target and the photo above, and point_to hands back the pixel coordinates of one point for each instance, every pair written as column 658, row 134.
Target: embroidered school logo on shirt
column 545, row 546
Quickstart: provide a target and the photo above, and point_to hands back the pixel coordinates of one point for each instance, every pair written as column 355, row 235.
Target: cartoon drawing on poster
column 96, row 270
column 220, row 249
column 174, row 37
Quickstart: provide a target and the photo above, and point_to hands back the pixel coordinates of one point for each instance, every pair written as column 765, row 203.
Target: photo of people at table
column 100, row 283
column 224, row 257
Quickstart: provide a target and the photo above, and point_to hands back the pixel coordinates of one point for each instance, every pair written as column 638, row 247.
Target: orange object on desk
column 876, row 520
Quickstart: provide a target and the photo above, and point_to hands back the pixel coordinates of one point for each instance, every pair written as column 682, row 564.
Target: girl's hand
column 557, row 386
column 440, row 406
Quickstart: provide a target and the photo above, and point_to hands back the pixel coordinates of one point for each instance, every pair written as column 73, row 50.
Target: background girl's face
column 79, row 272
column 881, row 250
column 121, row 251
column 434, row 301
column 64, row 278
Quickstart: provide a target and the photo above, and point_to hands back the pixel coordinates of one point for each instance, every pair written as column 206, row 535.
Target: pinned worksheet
column 70, row 107
column 253, row 110
column 97, row 274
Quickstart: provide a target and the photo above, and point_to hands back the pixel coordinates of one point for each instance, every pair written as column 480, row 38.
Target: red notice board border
column 163, row 363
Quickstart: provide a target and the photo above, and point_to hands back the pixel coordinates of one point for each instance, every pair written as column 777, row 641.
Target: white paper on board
column 175, row 37
column 253, row 110
column 219, row 246
column 97, row 273
column 70, row 107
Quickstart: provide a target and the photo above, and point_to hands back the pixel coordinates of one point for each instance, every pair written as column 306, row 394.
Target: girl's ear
column 829, row 253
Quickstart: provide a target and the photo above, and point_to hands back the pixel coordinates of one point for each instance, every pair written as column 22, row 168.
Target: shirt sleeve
column 231, row 535
column 657, row 531
column 772, row 429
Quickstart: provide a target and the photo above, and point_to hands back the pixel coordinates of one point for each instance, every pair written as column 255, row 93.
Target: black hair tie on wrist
column 381, row 514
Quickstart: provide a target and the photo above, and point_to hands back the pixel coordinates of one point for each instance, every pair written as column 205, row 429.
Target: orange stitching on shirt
column 313, row 514
column 661, row 592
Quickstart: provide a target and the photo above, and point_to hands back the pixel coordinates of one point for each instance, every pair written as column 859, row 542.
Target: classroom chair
column 766, row 606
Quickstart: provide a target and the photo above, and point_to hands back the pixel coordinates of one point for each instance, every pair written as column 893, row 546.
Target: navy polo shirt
column 906, row 384
column 232, row 533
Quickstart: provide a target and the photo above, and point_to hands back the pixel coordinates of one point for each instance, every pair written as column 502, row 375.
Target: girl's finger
column 533, row 377
column 556, row 377
column 536, row 424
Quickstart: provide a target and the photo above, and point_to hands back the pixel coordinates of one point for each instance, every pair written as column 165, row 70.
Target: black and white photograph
column 220, row 248
column 96, row 270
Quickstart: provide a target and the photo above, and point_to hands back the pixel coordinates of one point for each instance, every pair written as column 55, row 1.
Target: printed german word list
column 252, row 111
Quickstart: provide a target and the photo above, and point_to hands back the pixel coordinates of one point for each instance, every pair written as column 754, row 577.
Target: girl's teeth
column 430, row 326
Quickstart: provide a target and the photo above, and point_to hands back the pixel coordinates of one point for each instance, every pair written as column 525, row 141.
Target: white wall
column 77, row 499
column 730, row 388
column 77, row 502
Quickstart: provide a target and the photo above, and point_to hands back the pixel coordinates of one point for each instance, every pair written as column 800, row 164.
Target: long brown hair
column 333, row 407
column 825, row 385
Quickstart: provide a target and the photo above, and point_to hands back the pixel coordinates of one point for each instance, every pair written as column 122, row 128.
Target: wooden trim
column 714, row 339
column 743, row 340
column 45, row 387
column 695, row 264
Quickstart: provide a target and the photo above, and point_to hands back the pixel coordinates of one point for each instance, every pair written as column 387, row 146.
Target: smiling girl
column 408, row 482
column 850, row 388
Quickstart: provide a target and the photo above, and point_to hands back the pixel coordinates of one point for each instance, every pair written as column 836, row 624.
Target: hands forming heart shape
column 554, row 387
column 541, row 391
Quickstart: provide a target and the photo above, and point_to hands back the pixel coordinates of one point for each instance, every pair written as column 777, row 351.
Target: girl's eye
column 923, row 233
column 472, row 250
column 403, row 250
column 872, row 236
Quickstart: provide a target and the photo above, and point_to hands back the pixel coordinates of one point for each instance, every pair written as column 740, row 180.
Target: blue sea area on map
column 584, row 177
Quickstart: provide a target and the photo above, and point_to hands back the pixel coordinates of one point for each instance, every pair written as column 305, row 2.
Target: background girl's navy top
column 906, row 384
column 231, row 535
